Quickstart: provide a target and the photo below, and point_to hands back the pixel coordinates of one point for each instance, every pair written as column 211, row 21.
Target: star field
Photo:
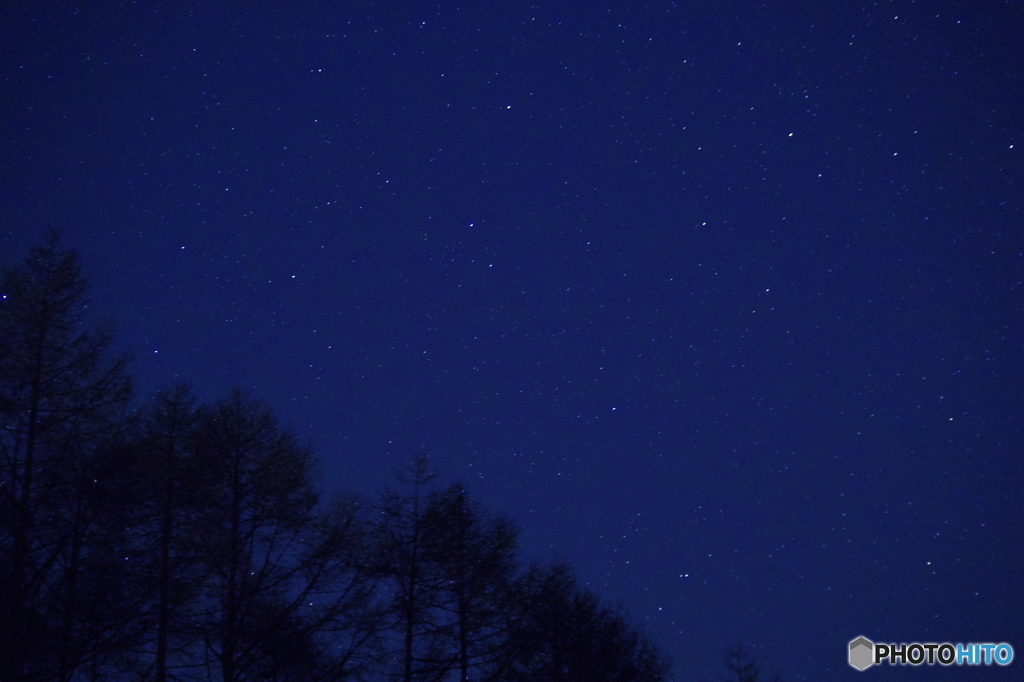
column 719, row 302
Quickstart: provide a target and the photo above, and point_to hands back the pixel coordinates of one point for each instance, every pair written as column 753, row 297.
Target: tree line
column 171, row 540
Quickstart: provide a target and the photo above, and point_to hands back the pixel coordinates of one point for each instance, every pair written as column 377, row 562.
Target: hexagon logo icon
column 862, row 652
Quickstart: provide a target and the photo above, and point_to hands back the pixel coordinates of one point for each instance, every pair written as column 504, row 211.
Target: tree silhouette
column 563, row 633
column 167, row 485
column 342, row 613
column 258, row 502
column 742, row 666
column 475, row 557
column 62, row 408
column 185, row 542
column 412, row 579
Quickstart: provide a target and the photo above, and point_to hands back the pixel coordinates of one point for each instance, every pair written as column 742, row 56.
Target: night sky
column 721, row 302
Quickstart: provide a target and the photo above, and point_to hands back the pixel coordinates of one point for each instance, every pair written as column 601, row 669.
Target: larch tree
column 258, row 507
column 411, row 577
column 63, row 401
column 475, row 557
column 563, row 633
column 167, row 504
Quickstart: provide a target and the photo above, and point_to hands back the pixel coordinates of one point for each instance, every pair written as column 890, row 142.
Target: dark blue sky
column 721, row 302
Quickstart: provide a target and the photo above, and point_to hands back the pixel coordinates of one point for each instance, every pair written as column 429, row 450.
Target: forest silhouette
column 166, row 539
column 162, row 539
